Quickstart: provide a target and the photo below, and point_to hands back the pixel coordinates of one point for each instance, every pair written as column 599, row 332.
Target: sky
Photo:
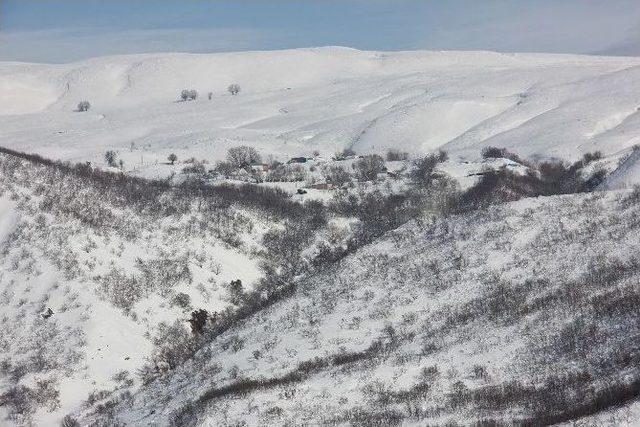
column 70, row 30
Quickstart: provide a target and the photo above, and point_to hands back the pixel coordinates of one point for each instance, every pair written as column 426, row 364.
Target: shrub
column 196, row 168
column 243, row 156
column 423, row 171
column 234, row 89
column 69, row 421
column 345, row 154
column 224, row 169
column 395, row 155
column 181, row 300
column 84, row 106
column 337, row 176
column 188, row 94
column 236, row 292
column 172, row 158
column 111, row 158
column 368, row 167
column 198, row 321
column 496, row 153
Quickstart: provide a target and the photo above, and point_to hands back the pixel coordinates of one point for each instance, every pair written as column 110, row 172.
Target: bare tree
column 368, row 167
column 84, row 106
column 337, row 176
column 224, row 169
column 172, row 158
column 111, row 158
column 234, row 89
column 243, row 156
column 188, row 94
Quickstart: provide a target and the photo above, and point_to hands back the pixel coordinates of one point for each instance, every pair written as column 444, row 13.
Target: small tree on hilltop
column 243, row 156
column 84, row 106
column 234, row 89
column 111, row 158
column 369, row 167
column 172, row 158
column 188, row 94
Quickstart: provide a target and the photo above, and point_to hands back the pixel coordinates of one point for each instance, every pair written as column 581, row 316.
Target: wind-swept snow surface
column 294, row 102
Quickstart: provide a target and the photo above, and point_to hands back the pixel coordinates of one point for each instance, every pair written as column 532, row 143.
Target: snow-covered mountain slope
column 90, row 268
column 294, row 102
column 524, row 313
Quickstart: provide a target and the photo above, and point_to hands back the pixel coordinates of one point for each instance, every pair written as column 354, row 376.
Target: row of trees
column 192, row 94
column 185, row 95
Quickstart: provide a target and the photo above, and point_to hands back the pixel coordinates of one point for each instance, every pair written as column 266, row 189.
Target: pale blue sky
column 68, row 30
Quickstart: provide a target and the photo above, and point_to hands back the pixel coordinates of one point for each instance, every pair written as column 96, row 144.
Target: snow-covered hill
column 523, row 314
column 345, row 290
column 294, row 102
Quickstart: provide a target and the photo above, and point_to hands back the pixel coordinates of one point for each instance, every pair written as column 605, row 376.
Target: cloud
column 68, row 45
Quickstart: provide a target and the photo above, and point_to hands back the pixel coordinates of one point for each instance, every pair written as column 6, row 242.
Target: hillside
column 524, row 313
column 355, row 238
column 295, row 102
column 115, row 261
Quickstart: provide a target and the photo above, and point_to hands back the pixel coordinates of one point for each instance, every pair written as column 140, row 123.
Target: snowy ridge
column 294, row 102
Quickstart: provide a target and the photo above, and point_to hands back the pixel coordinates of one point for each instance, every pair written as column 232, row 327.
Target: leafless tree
column 368, row 167
column 234, row 89
column 243, row 156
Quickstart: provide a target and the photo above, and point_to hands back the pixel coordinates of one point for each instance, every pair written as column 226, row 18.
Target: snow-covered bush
column 234, row 89
column 224, row 169
column 368, row 167
column 83, row 106
column 69, row 421
column 395, row 155
column 336, row 175
column 196, row 167
column 344, row 154
column 243, row 156
column 423, row 168
column 287, row 173
column 188, row 94
column 111, row 158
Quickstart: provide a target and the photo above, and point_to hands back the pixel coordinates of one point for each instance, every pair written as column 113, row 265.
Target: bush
column 286, row 173
column 423, row 169
column 234, row 89
column 181, row 300
column 336, row 175
column 243, row 156
column 69, row 421
column 196, row 168
column 368, row 167
column 111, row 158
column 172, row 158
column 84, row 106
column 496, row 153
column 345, row 154
column 395, row 155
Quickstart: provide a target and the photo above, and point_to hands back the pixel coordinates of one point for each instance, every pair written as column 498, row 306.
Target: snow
column 296, row 101
column 408, row 279
column 293, row 103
